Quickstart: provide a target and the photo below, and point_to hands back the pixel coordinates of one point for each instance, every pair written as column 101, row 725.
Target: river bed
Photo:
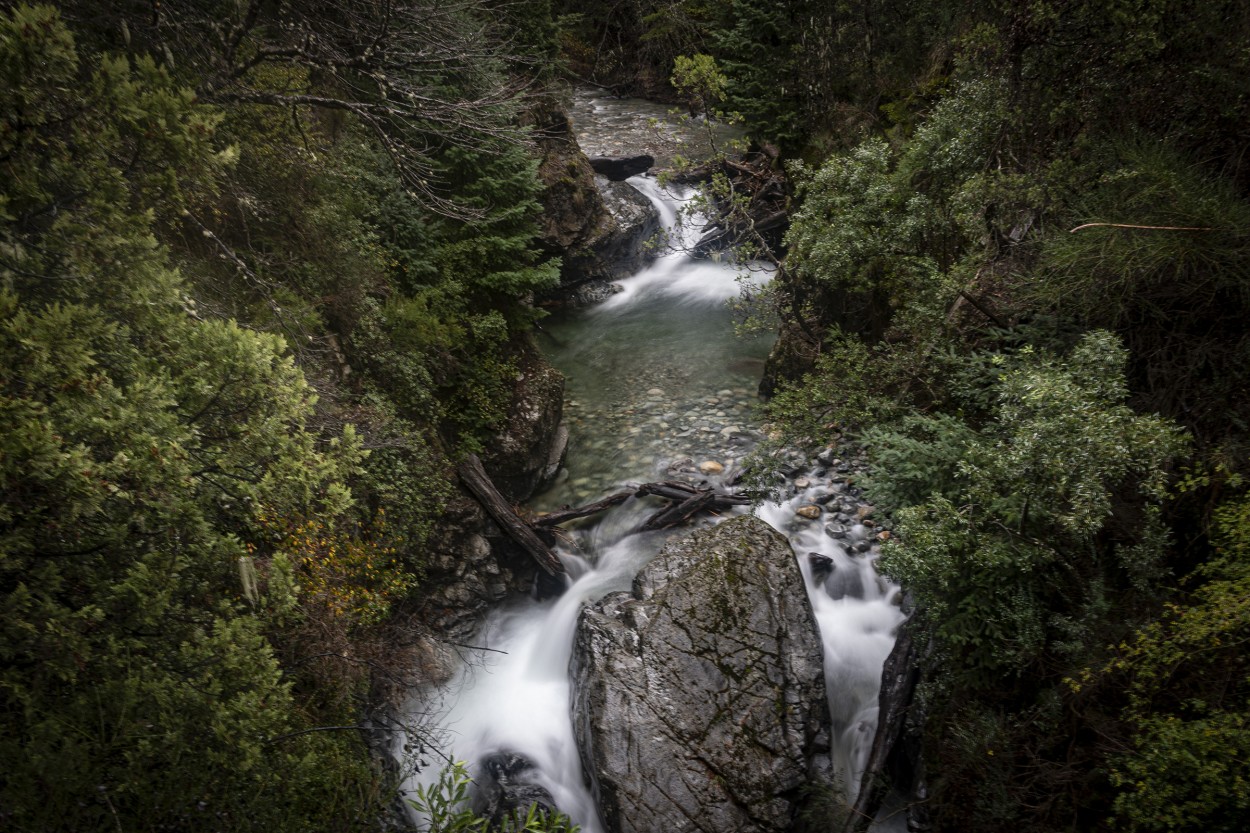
column 659, row 385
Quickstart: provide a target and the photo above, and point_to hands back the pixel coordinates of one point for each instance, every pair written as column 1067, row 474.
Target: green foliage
column 444, row 807
column 697, row 79
column 139, row 442
column 986, row 516
column 1189, row 699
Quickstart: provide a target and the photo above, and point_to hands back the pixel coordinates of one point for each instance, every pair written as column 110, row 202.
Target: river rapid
column 659, row 386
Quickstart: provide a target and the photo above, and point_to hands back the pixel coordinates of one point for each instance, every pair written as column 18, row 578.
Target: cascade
column 657, row 382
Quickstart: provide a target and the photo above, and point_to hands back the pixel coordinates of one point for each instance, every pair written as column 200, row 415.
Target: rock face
column 598, row 228
column 526, row 455
column 699, row 700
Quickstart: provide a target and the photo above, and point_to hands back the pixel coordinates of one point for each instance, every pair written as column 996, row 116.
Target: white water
column 516, row 696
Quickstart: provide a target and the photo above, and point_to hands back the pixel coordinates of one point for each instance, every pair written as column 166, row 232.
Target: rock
column 598, row 228
column 506, row 790
column 527, row 454
column 802, row 483
column 637, row 221
column 822, row 565
column 883, row 535
column 835, row 530
column 710, row 467
column 618, row 168
column 470, row 566
column 699, row 699
column 810, row 511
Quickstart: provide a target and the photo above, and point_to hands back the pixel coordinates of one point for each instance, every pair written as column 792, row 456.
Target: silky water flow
column 656, row 376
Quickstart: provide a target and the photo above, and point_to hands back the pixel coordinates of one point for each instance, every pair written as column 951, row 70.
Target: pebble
column 710, row 467
column 802, row 483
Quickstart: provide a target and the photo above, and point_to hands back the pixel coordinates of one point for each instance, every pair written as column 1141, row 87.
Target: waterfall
column 643, row 411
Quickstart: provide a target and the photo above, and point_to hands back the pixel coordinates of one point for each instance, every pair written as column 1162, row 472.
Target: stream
column 659, row 386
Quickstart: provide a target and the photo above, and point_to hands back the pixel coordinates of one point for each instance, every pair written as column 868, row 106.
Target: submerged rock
column 699, row 699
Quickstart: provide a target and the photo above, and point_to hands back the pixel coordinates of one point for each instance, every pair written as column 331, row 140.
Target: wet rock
column 835, row 530
column 822, row 565
column 710, row 467
column 699, row 698
column 637, row 223
column 621, row 167
column 811, row 512
column 527, row 454
column 507, row 792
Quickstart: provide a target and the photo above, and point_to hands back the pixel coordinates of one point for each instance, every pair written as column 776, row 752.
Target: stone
column 810, row 511
column 527, row 454
column 699, row 700
column 618, row 168
column 822, row 565
column 710, row 467
column 802, row 483
column 506, row 790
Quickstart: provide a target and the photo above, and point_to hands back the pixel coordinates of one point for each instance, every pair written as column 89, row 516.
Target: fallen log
column 560, row 516
column 688, row 501
column 674, row 515
column 479, row 483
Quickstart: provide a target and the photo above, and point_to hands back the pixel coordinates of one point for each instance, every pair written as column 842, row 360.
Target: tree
column 139, row 442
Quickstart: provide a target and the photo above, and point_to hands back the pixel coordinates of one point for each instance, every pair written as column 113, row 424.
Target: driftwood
column 687, row 501
column 479, row 483
column 556, row 518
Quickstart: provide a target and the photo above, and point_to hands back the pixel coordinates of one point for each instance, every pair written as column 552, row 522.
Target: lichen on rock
column 699, row 700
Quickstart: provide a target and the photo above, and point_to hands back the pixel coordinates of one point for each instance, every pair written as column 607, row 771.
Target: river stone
column 699, row 697
column 811, row 512
column 711, row 467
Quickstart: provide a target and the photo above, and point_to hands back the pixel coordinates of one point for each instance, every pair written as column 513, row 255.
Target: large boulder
column 599, row 229
column 699, row 699
column 637, row 222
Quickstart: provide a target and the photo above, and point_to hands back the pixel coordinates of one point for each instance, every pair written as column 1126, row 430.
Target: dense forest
column 266, row 276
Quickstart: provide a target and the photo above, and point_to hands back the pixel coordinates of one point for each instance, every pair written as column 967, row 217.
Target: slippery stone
column 623, row 167
column 711, row 467
column 699, row 700
column 811, row 512
column 506, row 791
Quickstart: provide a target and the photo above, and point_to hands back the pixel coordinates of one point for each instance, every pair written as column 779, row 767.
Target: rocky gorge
column 682, row 690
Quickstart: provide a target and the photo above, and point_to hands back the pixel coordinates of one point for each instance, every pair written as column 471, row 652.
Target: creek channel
column 659, row 387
